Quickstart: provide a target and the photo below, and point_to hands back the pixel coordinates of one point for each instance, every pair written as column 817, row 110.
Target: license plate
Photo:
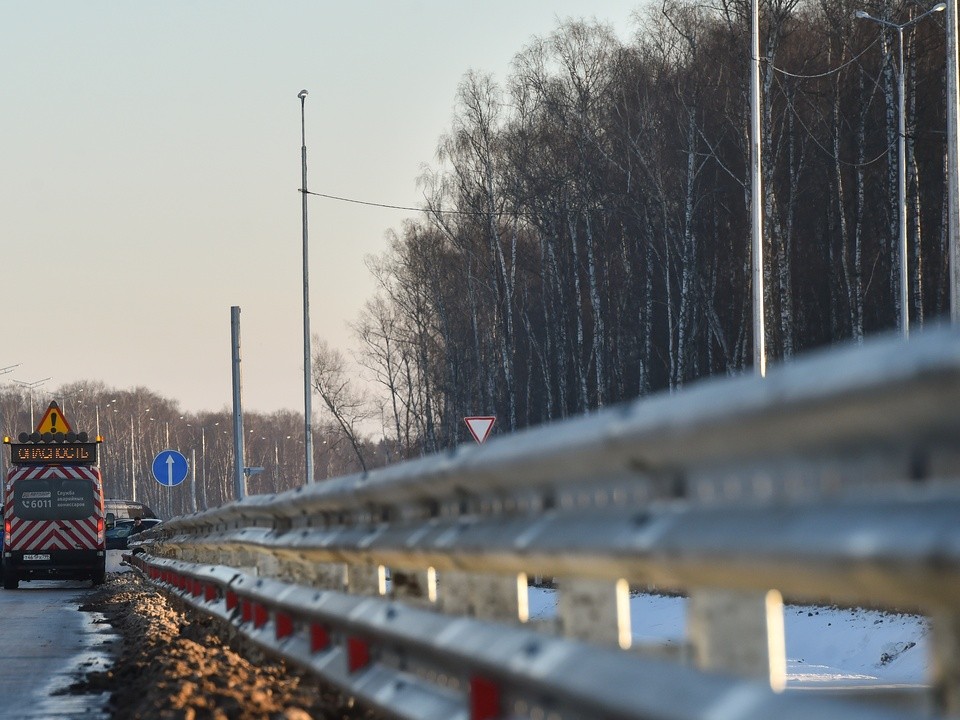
column 36, row 557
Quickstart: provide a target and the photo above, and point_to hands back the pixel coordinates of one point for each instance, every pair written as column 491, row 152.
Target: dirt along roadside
column 171, row 666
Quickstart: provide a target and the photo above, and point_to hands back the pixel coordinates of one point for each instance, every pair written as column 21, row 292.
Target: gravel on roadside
column 171, row 666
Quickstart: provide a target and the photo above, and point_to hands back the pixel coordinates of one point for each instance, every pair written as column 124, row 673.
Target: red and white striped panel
column 31, row 535
column 70, row 472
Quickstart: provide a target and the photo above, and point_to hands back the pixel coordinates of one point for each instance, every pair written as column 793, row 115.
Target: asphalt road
column 45, row 643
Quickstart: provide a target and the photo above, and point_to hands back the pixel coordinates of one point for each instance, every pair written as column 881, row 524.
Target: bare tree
column 347, row 405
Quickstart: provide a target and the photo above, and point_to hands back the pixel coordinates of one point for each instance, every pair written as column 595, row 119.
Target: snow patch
column 825, row 645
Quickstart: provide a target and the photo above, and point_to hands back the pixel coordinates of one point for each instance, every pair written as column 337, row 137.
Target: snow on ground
column 854, row 647
column 826, row 646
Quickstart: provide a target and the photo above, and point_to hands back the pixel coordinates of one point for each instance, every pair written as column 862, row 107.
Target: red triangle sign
column 480, row 426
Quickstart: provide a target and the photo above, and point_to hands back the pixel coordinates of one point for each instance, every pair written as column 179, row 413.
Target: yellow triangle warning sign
column 53, row 421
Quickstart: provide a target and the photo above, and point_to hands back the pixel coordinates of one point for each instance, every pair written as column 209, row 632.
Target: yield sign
column 53, row 421
column 480, row 426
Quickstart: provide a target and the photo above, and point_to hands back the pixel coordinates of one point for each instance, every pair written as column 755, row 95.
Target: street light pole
column 31, row 386
column 953, row 163
column 133, row 463
column 756, row 209
column 904, row 316
column 239, row 482
column 307, row 370
column 902, row 188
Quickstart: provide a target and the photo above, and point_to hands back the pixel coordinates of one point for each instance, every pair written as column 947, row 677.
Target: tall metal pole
column 904, row 314
column 133, row 464
column 193, row 479
column 953, row 163
column 31, row 386
column 237, row 409
column 307, row 369
column 902, row 191
column 203, row 459
column 756, row 195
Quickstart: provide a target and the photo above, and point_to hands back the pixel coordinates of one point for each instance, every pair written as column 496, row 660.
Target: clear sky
column 150, row 166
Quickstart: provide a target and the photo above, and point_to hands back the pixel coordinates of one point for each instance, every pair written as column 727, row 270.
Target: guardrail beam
column 420, row 665
column 835, row 479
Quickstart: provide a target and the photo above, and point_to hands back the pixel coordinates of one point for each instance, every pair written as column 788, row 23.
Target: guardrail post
column 363, row 580
column 332, row 576
column 946, row 661
column 182, row 552
column 328, row 576
column 488, row 597
column 240, row 559
column 590, row 610
column 739, row 633
column 267, row 565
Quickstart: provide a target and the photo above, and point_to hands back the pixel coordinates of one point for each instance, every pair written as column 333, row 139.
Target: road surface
column 46, row 642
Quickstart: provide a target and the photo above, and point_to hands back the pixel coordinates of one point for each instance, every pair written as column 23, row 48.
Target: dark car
column 119, row 534
column 118, row 510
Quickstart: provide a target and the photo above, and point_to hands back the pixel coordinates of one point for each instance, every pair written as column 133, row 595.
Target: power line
column 828, row 72
column 393, row 207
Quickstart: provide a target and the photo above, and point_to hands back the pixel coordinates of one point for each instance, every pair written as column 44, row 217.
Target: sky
column 150, row 167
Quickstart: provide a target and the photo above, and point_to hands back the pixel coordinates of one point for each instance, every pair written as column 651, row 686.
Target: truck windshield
column 53, row 499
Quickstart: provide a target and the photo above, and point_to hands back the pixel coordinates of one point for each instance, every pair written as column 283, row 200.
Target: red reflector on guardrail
column 260, row 615
column 197, row 589
column 284, row 625
column 231, row 600
column 358, row 654
column 319, row 638
column 484, row 699
column 246, row 610
column 209, row 592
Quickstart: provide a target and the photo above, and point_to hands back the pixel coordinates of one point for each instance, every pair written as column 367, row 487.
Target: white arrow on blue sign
column 169, row 468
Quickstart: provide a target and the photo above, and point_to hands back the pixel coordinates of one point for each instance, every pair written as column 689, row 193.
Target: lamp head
column 939, row 7
column 302, row 94
column 860, row 14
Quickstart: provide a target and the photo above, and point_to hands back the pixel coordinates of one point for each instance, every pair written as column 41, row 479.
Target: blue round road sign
column 169, row 468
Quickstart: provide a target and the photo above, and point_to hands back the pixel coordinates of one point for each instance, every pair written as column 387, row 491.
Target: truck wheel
column 10, row 580
column 99, row 576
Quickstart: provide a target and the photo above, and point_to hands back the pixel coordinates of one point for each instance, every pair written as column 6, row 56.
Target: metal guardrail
column 833, row 479
column 411, row 663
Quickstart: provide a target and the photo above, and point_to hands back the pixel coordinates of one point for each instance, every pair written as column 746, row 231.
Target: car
column 119, row 534
column 118, row 510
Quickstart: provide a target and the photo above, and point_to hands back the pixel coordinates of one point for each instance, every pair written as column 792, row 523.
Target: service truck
column 53, row 517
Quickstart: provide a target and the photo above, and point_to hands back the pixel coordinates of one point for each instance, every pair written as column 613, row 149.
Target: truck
column 54, row 526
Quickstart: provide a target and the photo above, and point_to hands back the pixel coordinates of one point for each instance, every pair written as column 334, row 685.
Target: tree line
column 137, row 424
column 585, row 239
column 585, row 235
